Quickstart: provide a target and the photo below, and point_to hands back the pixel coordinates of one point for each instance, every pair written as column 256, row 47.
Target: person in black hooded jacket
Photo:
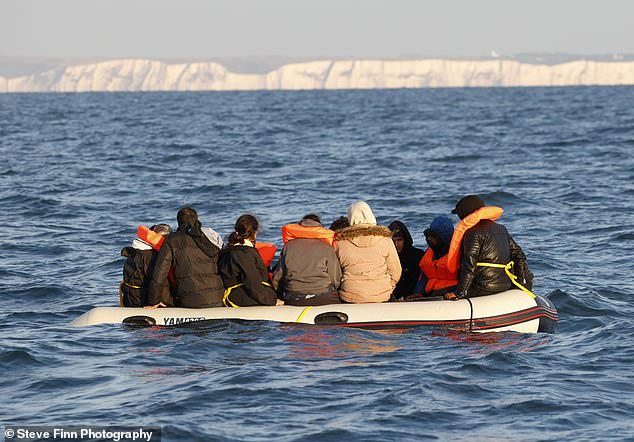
column 194, row 259
column 487, row 242
column 409, row 256
column 244, row 274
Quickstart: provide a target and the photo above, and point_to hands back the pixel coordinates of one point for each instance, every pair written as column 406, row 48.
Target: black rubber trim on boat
column 331, row 318
column 139, row 320
column 547, row 322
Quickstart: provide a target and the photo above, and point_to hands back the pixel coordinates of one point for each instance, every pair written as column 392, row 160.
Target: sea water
column 79, row 172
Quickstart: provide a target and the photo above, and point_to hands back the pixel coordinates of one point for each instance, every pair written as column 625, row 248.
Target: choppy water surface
column 79, row 172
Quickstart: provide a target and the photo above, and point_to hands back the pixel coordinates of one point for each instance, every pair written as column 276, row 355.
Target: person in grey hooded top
column 309, row 272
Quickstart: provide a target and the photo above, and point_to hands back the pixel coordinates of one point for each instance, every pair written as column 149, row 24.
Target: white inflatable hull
column 512, row 310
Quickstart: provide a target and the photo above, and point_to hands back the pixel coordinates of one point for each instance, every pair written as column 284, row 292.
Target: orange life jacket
column 453, row 256
column 294, row 231
column 152, row 238
column 438, row 274
column 266, row 251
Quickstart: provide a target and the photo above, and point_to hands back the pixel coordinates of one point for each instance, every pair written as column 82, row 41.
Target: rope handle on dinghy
column 225, row 298
column 507, row 268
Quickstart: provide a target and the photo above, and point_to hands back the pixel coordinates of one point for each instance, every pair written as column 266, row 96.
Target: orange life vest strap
column 152, row 238
column 453, row 256
column 295, row 231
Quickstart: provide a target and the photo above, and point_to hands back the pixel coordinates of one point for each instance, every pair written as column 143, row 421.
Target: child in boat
column 309, row 272
column 244, row 274
column 369, row 261
column 138, row 267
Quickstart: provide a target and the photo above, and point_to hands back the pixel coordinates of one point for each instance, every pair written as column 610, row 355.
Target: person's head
column 311, row 219
column 161, row 229
column 360, row 213
column 400, row 236
column 467, row 205
column 399, row 243
column 340, row 224
column 186, row 215
column 439, row 233
column 246, row 227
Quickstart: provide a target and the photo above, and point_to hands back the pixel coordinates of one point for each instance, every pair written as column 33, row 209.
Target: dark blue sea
column 79, row 172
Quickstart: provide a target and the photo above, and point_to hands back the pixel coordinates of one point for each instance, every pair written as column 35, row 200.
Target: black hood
column 201, row 240
column 399, row 229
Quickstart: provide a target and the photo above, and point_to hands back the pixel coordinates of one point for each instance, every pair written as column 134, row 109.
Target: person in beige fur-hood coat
column 369, row 261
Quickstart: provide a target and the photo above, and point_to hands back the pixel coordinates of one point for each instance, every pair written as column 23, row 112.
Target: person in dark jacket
column 244, row 274
column 192, row 253
column 409, row 256
column 486, row 242
column 309, row 272
column 139, row 265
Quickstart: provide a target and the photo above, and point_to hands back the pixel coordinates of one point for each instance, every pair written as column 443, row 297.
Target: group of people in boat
column 353, row 261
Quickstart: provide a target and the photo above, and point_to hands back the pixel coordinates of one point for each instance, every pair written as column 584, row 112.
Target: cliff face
column 148, row 75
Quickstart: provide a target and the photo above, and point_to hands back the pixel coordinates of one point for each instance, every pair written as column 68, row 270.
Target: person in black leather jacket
column 192, row 252
column 487, row 242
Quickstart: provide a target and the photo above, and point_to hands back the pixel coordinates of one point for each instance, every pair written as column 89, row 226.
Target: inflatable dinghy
column 512, row 310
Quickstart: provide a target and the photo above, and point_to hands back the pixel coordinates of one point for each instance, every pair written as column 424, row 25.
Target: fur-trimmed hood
column 363, row 235
column 369, row 262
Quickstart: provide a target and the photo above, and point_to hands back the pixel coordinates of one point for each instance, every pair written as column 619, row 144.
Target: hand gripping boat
column 513, row 310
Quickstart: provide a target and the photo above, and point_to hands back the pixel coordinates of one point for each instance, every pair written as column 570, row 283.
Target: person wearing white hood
column 369, row 261
column 139, row 265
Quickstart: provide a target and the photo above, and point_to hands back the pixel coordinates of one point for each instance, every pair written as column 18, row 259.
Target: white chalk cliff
column 149, row 75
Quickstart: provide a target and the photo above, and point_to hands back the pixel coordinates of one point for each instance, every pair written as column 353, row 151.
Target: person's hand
column 160, row 304
column 451, row 296
column 279, row 302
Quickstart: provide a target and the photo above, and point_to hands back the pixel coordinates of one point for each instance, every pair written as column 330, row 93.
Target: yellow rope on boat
column 507, row 268
column 299, row 318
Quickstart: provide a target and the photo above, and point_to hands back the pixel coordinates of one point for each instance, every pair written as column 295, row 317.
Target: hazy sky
column 303, row 28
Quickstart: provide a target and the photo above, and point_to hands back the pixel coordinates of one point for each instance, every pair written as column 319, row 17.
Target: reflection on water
column 487, row 343
column 310, row 342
